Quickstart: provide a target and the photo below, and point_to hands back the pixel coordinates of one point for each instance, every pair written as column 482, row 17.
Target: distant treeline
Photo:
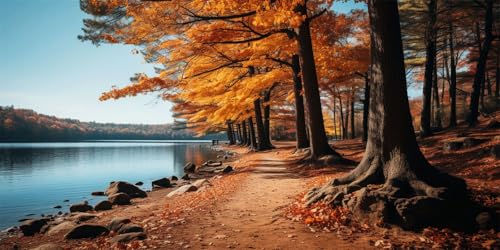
column 18, row 125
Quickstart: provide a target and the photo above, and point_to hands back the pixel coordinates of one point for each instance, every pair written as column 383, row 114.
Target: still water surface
column 35, row 177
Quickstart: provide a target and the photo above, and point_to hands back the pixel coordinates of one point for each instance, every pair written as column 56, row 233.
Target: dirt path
column 251, row 217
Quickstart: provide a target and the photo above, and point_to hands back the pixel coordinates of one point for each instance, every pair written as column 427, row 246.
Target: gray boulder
column 127, row 188
column 116, row 223
column 129, row 237
column 80, row 207
column 64, row 227
column 163, row 182
column 86, row 231
column 182, row 190
column 103, row 205
column 31, row 227
column 130, row 228
column 189, row 167
column 119, row 199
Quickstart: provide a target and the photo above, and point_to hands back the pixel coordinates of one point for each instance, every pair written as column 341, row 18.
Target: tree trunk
column 244, row 132
column 317, row 135
column 240, row 136
column 481, row 65
column 366, row 105
column 346, row 131
column 342, row 124
column 230, row 135
column 414, row 194
column 437, row 105
column 262, row 144
column 353, row 132
column 453, row 79
column 251, row 130
column 334, row 118
column 300, row 122
column 430, row 54
column 497, row 77
column 267, row 116
column 488, row 83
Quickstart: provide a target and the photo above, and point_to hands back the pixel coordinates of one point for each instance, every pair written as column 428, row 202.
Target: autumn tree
column 413, row 193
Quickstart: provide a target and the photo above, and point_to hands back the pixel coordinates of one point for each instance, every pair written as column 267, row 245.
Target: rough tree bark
column 430, row 54
column 497, row 78
column 342, row 124
column 347, row 106
column 412, row 193
column 267, row 116
column 230, row 135
column 317, row 135
column 353, row 131
column 251, row 132
column 240, row 135
column 300, row 120
column 244, row 132
column 481, row 65
column 437, row 104
column 262, row 144
column 366, row 105
column 453, row 79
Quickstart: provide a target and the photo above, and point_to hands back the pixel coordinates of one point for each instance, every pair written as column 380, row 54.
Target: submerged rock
column 127, row 188
column 98, row 193
column 119, row 199
column 163, row 182
column 103, row 205
column 139, row 183
column 80, row 207
column 86, row 231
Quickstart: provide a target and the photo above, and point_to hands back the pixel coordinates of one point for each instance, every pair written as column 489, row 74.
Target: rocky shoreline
column 74, row 224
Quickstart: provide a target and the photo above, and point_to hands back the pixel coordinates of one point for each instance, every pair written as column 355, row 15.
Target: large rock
column 31, row 227
column 186, row 177
column 64, row 227
column 81, row 217
column 86, row 231
column 189, row 167
column 129, row 237
column 125, row 187
column 80, row 207
column 227, row 169
column 117, row 223
column 119, row 199
column 200, row 183
column 182, row 190
column 163, row 182
column 211, row 163
column 174, row 178
column 103, row 205
column 48, row 246
column 130, row 228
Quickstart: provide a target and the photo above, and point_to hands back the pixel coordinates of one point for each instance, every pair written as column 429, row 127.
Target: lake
column 35, row 177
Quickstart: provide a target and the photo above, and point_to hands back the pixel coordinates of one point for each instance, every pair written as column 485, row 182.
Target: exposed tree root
column 393, row 193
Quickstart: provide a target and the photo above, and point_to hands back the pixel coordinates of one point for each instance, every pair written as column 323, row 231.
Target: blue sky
column 46, row 68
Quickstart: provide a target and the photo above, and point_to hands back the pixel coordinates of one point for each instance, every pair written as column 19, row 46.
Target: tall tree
column 414, row 193
column 481, row 65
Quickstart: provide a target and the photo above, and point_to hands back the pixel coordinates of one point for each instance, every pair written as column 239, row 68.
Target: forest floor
column 258, row 206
